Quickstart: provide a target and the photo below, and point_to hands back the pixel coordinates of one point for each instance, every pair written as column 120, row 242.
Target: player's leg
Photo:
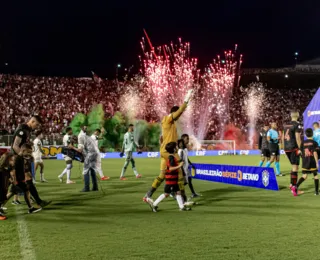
column 94, row 180
column 60, row 177
column 316, row 183
column 272, row 159
column 294, row 189
column 294, row 159
column 42, row 179
column 69, row 167
column 33, row 172
column 133, row 165
column 157, row 182
column 125, row 166
column 277, row 165
column 263, row 158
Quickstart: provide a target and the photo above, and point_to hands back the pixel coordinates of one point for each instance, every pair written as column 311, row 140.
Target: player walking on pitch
column 292, row 142
column 169, row 134
column 127, row 148
column 273, row 140
column 96, row 138
column 37, row 155
column 263, row 145
column 67, row 141
column 310, row 165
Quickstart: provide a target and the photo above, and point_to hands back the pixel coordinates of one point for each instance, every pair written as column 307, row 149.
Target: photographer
column 87, row 146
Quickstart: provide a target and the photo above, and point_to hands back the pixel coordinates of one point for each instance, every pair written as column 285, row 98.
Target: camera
column 73, row 154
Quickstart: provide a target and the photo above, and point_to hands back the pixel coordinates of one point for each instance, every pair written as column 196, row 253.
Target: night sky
column 72, row 38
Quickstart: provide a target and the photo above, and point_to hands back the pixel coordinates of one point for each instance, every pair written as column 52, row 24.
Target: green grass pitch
column 230, row 222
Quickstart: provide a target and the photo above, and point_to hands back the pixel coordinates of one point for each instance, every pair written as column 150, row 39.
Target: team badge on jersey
column 265, row 178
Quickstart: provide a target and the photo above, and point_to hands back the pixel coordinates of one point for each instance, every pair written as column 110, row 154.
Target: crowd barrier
column 249, row 176
column 54, row 152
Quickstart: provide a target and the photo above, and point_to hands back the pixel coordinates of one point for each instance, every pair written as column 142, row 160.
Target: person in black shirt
column 309, row 151
column 7, row 161
column 291, row 139
column 263, row 145
column 23, row 133
column 19, row 176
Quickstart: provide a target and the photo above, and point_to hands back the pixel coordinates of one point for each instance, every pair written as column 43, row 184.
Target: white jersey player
column 67, row 142
column 127, row 148
column 37, row 155
column 96, row 138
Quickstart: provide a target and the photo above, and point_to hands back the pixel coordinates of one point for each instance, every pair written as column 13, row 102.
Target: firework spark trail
column 170, row 72
column 253, row 104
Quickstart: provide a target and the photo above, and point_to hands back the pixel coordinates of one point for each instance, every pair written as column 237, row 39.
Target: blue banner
column 249, row 176
column 115, row 155
column 312, row 112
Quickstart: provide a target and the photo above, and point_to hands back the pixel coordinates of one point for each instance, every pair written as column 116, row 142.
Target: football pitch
column 230, row 222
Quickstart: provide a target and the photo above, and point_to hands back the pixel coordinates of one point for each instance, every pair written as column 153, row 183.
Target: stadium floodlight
column 119, row 65
column 286, row 76
column 296, row 53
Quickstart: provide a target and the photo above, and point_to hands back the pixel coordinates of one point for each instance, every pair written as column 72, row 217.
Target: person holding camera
column 90, row 151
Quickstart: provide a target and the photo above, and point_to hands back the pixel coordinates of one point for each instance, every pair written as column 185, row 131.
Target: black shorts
column 306, row 171
column 293, row 157
column 265, row 153
column 274, row 150
column 18, row 189
column 171, row 188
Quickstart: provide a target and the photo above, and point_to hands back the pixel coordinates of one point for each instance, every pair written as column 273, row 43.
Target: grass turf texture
column 231, row 222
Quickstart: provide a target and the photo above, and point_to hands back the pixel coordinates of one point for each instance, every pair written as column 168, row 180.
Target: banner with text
column 249, row 176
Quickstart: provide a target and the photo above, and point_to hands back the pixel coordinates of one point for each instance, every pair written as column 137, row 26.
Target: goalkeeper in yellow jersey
column 169, row 134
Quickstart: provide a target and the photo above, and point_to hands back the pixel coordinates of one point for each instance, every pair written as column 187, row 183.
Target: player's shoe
column 316, row 193
column 3, row 217
column 188, row 203
column 155, row 208
column 195, row 195
column 45, row 203
column 34, row 181
column 16, row 202
column 123, row 179
column 138, row 176
column 60, row 179
column 34, row 210
column 105, row 178
column 300, row 192
column 43, row 180
column 70, row 182
column 294, row 191
column 3, row 208
column 185, row 209
column 280, row 175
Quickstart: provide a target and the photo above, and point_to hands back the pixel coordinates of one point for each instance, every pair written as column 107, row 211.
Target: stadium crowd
column 57, row 100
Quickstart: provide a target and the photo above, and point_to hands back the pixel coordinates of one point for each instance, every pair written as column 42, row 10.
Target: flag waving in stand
column 96, row 78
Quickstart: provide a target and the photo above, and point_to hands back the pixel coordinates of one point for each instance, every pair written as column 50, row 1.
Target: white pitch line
column 26, row 248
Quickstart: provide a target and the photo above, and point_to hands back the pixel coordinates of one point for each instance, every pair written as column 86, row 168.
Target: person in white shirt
column 37, row 155
column 183, row 153
column 67, row 141
column 96, row 138
column 90, row 151
column 127, row 148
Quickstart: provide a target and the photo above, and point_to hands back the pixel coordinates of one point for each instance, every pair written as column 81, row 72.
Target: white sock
column 159, row 199
column 180, row 201
column 135, row 171
column 63, row 173
column 68, row 175
column 41, row 176
column 100, row 172
column 122, row 173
